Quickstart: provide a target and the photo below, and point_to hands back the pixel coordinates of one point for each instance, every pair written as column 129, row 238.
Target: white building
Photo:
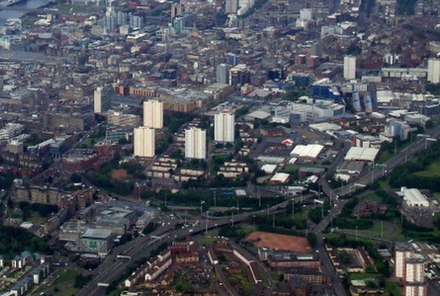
column 413, row 197
column 231, row 6
column 402, row 253
column 434, row 71
column 362, row 154
column 349, row 67
column 144, row 141
column 195, row 143
column 310, row 151
column 97, row 100
column 306, row 14
column 224, row 127
column 153, row 114
column 415, row 269
column 416, row 290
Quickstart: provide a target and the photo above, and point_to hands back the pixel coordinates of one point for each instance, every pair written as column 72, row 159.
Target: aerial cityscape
column 220, row 147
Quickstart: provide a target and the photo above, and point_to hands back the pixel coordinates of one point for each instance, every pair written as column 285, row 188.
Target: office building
column 239, row 75
column 224, row 126
column 222, row 73
column 434, row 71
column 231, row 6
column 177, row 9
column 144, row 141
column 349, row 67
column 232, row 59
column 97, row 100
column 153, row 114
column 136, row 21
column 195, row 143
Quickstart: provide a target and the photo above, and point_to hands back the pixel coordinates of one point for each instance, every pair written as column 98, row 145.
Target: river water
column 18, row 10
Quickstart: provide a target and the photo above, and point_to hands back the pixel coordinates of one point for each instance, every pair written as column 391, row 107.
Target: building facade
column 224, row 127
column 195, row 143
column 434, row 71
column 153, row 114
column 144, row 142
column 349, row 67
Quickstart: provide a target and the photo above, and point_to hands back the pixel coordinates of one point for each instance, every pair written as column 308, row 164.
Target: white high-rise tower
column 144, row 141
column 434, row 71
column 97, row 100
column 349, row 67
column 195, row 143
column 153, row 114
column 224, row 126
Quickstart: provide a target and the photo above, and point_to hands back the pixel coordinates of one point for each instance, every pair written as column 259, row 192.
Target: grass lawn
column 362, row 276
column 383, row 184
column 276, row 277
column 36, row 218
column 433, row 170
column 13, row 214
column 290, row 168
column 392, row 288
column 248, row 229
column 384, row 156
column 67, row 292
column 350, row 237
column 207, row 241
column 77, row 8
column 372, row 196
column 65, row 276
column 389, row 230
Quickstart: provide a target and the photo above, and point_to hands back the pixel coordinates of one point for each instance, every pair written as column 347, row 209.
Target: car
column 190, row 230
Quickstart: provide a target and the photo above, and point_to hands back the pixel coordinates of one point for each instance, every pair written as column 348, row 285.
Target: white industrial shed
column 280, row 178
column 362, row 154
column 413, row 197
column 307, row 151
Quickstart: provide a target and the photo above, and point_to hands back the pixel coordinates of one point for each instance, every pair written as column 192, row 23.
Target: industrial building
column 307, row 152
column 362, row 154
column 413, row 197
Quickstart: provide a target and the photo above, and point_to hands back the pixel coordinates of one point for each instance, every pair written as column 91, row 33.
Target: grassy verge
column 65, row 276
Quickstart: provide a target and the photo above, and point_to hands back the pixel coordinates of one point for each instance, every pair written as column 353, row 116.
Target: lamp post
column 207, row 221
column 201, row 207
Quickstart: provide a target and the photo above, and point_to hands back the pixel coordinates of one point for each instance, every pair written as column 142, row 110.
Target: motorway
column 111, row 269
column 363, row 180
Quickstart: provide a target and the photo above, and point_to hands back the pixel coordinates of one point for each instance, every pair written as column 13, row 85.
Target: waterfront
column 19, row 9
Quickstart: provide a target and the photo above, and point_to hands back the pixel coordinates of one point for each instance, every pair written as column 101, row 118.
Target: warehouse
column 413, row 197
column 362, row 154
column 307, row 152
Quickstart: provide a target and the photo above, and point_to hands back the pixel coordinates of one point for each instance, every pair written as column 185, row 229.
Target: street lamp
column 427, row 138
column 207, row 220
column 383, row 166
column 232, row 216
column 201, row 207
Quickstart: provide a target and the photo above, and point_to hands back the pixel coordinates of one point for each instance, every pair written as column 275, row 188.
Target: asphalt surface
column 111, row 269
